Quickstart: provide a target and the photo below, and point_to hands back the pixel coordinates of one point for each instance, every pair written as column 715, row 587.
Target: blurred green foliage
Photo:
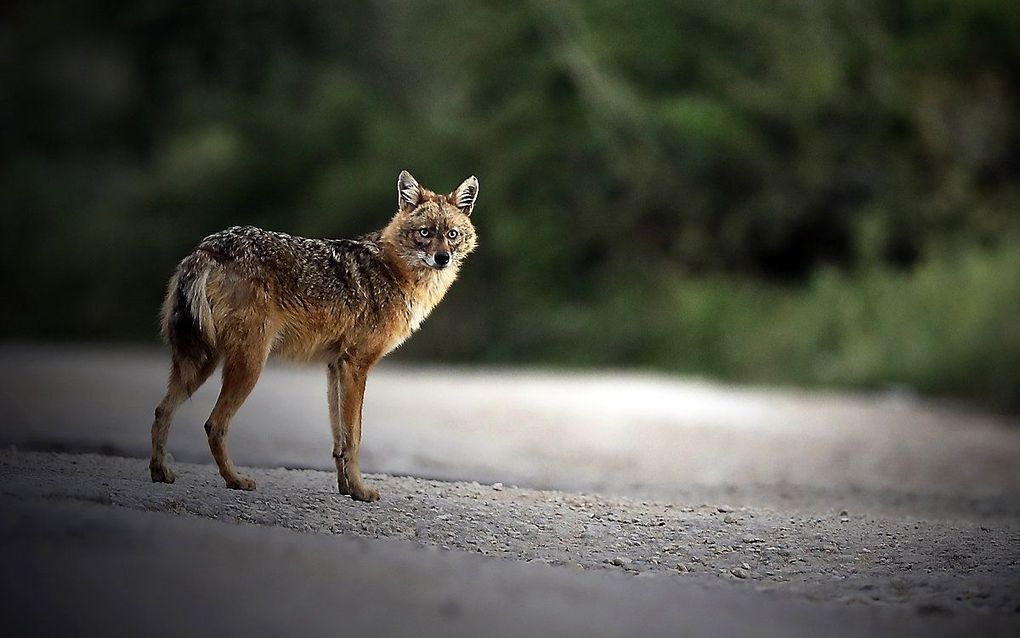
column 796, row 191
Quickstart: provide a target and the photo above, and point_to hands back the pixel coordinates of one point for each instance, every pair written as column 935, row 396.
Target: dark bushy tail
column 187, row 320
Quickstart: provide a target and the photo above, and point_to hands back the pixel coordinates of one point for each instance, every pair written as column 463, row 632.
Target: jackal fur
column 246, row 293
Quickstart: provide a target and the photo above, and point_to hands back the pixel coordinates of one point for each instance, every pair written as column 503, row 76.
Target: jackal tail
column 187, row 318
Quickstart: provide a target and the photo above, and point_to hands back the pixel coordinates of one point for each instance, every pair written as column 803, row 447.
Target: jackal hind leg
column 241, row 372
column 186, row 376
column 346, row 392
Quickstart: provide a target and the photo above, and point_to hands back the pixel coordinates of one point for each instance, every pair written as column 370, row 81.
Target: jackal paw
column 365, row 494
column 161, row 474
column 241, row 483
column 357, row 490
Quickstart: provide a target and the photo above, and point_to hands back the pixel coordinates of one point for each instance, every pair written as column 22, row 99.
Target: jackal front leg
column 346, row 383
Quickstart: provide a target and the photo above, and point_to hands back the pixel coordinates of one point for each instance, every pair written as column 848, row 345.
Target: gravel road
column 852, row 558
column 644, row 502
column 89, row 569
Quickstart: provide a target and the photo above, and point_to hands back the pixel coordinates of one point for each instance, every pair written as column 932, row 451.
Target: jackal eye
column 452, row 233
column 424, row 232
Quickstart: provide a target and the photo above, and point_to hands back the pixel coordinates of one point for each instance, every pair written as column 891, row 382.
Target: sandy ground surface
column 749, row 509
column 88, row 537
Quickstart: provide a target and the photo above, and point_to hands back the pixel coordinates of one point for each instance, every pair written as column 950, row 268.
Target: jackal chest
column 420, row 303
column 416, row 315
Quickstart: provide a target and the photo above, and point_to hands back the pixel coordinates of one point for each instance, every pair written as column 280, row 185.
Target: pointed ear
column 408, row 191
column 465, row 195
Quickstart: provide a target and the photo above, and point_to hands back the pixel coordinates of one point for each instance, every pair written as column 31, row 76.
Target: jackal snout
column 441, row 259
column 439, row 254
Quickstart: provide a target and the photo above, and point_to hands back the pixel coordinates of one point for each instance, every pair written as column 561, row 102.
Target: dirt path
column 770, row 511
column 88, row 569
column 927, row 567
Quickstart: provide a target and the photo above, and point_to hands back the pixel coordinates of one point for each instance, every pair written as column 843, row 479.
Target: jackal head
column 432, row 230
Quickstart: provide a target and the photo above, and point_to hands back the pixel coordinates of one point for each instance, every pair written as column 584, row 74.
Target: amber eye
column 452, row 233
column 425, row 232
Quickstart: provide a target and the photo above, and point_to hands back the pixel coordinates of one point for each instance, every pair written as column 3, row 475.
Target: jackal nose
column 442, row 259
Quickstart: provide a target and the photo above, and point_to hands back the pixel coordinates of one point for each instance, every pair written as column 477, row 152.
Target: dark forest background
column 813, row 192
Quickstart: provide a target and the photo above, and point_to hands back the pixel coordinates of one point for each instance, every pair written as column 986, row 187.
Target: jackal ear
column 465, row 195
column 408, row 191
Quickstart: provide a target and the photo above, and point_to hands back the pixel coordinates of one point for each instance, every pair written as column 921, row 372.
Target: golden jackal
column 245, row 293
